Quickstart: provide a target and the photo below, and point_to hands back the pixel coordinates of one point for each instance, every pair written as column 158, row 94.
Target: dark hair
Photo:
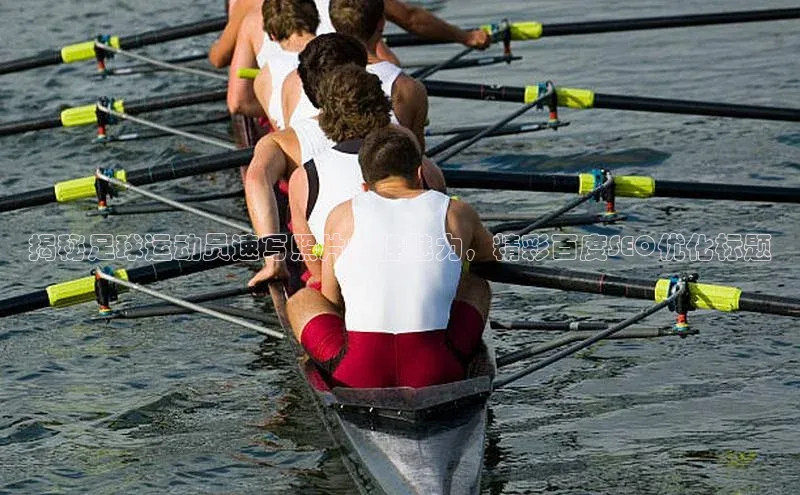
column 324, row 53
column 387, row 152
column 352, row 103
column 358, row 18
column 283, row 18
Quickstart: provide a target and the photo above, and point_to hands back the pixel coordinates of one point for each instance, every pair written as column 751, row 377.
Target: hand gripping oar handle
column 531, row 30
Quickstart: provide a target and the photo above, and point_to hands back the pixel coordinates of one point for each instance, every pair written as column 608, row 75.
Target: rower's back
column 398, row 273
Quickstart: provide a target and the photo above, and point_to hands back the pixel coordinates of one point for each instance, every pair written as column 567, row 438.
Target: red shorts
column 372, row 359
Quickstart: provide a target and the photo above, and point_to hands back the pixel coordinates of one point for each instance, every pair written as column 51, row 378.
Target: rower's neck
column 296, row 42
column 396, row 188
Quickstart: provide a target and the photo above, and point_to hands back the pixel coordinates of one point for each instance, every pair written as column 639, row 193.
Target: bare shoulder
column 409, row 88
column 339, row 216
column 461, row 210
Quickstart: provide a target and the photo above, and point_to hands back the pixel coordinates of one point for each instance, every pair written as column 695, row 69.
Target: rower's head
column 352, row 103
column 283, row 18
column 324, row 53
column 362, row 19
column 391, row 153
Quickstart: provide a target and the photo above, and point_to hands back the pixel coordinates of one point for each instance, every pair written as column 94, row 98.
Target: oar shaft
column 715, row 297
column 172, row 33
column 211, row 258
column 687, row 107
column 522, row 181
column 535, row 30
column 55, row 57
column 133, row 108
column 584, row 99
column 175, row 169
column 666, row 22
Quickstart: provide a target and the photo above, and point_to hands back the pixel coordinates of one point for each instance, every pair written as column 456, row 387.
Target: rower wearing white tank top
column 242, row 42
column 395, row 308
column 353, row 105
column 364, row 20
column 290, row 25
column 278, row 154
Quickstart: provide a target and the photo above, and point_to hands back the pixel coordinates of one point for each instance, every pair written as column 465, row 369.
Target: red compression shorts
column 373, row 359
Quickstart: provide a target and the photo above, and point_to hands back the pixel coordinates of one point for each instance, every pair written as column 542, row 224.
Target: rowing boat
column 398, row 440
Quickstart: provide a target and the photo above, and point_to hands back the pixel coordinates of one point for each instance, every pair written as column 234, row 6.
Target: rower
column 353, row 105
column 364, row 20
column 290, row 25
column 277, row 155
column 243, row 37
column 413, row 317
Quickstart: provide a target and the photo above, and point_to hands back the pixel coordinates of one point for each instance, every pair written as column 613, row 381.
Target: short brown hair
column 389, row 152
column 352, row 103
column 324, row 53
column 358, row 18
column 283, row 18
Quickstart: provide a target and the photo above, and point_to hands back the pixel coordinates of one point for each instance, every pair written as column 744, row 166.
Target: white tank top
column 268, row 48
column 311, row 139
column 325, row 25
column 387, row 72
column 398, row 273
column 334, row 176
column 280, row 64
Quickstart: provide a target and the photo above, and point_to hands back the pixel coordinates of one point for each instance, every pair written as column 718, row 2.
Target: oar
column 624, row 186
column 84, row 187
column 521, row 31
column 702, row 296
column 111, row 277
column 87, row 114
column 86, row 50
column 586, row 98
column 82, row 290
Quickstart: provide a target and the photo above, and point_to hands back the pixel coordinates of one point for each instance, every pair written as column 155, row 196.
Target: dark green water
column 190, row 405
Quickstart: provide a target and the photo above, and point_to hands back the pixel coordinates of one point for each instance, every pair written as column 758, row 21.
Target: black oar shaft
column 172, row 33
column 448, row 89
column 175, row 169
column 620, row 25
column 687, row 107
column 54, row 57
column 737, row 192
column 42, row 60
column 132, row 108
column 665, row 22
column 512, row 181
column 612, row 285
column 211, row 258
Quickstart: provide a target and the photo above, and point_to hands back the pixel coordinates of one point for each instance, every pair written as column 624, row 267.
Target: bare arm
column 262, row 87
column 464, row 224
column 338, row 226
column 410, row 105
column 273, row 159
column 421, row 22
column 290, row 95
column 241, row 96
column 298, row 200
column 221, row 50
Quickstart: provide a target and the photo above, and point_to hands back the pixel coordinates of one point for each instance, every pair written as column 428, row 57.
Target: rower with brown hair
column 279, row 154
column 395, row 308
column 353, row 105
column 364, row 20
column 242, row 42
column 290, row 24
